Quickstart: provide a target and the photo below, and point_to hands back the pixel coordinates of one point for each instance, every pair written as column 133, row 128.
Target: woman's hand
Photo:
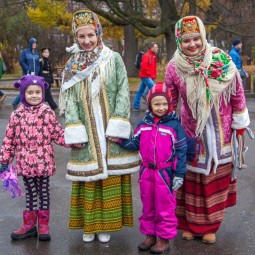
column 78, row 145
column 113, row 139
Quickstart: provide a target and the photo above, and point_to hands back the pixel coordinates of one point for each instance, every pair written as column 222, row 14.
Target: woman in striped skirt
column 212, row 106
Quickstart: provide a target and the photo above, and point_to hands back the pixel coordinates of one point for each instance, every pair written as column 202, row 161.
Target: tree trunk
column 130, row 50
column 192, row 7
column 170, row 45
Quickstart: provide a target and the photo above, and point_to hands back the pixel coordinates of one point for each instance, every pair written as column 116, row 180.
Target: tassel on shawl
column 73, row 94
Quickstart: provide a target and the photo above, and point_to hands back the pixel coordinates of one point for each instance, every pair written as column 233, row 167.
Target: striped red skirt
column 202, row 200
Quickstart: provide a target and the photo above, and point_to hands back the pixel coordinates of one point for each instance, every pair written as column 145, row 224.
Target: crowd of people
column 32, row 64
column 184, row 160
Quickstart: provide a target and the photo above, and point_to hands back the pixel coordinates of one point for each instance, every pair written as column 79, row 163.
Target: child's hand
column 4, row 168
column 177, row 182
column 113, row 139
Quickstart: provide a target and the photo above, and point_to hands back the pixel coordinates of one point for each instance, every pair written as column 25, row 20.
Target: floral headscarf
column 208, row 75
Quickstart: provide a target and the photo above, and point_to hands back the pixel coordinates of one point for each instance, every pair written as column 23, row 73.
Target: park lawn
column 135, row 81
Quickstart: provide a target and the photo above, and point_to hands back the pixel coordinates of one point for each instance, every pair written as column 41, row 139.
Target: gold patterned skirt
column 102, row 206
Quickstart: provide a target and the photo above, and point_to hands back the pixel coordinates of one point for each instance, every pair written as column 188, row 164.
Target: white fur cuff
column 241, row 120
column 76, row 134
column 118, row 128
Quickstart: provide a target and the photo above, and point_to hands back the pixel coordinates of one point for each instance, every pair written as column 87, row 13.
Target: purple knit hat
column 28, row 80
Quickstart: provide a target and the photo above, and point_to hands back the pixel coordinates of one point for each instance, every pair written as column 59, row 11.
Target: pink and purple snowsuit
column 163, row 148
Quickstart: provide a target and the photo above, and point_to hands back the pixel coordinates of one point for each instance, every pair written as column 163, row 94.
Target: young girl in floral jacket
column 29, row 135
column 161, row 141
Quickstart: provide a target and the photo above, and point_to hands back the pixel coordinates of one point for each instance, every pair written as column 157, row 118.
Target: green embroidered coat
column 97, row 105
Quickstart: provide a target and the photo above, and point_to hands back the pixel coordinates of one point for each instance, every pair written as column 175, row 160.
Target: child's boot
column 29, row 226
column 161, row 246
column 147, row 243
column 43, row 225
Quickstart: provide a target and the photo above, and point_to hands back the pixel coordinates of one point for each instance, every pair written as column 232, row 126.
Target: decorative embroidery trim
column 189, row 26
column 85, row 173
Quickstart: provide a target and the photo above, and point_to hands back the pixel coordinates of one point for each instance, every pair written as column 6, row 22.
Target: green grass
column 134, row 82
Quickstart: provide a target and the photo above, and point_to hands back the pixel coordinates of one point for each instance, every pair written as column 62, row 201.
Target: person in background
column 47, row 73
column 161, row 141
column 2, row 95
column 29, row 135
column 213, row 106
column 235, row 54
column 147, row 73
column 29, row 62
column 95, row 98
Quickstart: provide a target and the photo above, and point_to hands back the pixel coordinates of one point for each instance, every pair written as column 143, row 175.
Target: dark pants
column 49, row 99
column 37, row 187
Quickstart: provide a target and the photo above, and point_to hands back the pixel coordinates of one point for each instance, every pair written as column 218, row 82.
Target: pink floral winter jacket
column 29, row 136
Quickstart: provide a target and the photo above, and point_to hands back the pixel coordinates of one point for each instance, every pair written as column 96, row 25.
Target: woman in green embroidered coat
column 95, row 99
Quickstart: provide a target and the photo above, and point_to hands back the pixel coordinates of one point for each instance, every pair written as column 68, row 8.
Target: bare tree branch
column 223, row 26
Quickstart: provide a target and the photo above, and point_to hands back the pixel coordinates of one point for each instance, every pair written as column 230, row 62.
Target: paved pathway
column 235, row 237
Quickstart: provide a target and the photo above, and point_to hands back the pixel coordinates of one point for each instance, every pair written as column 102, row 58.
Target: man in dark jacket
column 29, row 62
column 47, row 73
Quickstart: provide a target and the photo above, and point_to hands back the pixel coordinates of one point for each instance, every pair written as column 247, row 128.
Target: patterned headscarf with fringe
column 208, row 75
column 79, row 59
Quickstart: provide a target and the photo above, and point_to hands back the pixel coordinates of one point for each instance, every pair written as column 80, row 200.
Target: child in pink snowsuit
column 161, row 141
column 29, row 135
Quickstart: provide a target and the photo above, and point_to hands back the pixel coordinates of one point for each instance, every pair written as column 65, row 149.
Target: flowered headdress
column 87, row 19
column 190, row 27
column 208, row 75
